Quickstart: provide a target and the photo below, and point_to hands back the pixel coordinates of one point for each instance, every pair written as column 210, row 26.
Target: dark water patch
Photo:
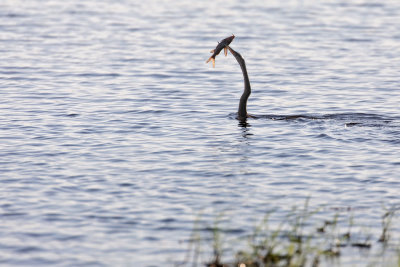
column 72, row 115
column 106, row 218
column 28, row 249
column 168, row 220
column 372, row 5
column 324, row 136
column 357, row 40
column 93, row 190
column 38, row 235
column 54, row 217
column 151, row 111
column 14, row 15
column 167, row 228
column 71, row 237
column 130, row 222
column 211, row 229
column 218, row 202
column 393, row 141
column 350, row 124
column 97, row 74
column 31, row 261
column 42, row 138
column 127, row 185
column 12, row 214
column 90, row 131
column 157, row 75
column 135, row 29
column 21, row 78
column 132, row 59
column 8, row 72
column 152, row 238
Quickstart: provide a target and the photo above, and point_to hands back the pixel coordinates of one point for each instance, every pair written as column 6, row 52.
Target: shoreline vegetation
column 301, row 237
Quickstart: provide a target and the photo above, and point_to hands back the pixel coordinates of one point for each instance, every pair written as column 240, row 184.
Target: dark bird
column 224, row 44
column 242, row 111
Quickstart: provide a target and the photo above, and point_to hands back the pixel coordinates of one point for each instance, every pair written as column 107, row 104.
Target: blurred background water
column 115, row 134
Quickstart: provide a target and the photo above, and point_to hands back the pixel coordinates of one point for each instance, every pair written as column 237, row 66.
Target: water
column 115, row 134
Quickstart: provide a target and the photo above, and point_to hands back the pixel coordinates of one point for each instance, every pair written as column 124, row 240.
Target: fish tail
column 211, row 59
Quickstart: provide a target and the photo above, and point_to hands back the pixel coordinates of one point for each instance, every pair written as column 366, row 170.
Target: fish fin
column 225, row 51
column 213, row 61
column 212, row 51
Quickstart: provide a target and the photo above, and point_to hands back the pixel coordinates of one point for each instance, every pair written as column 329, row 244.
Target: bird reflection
column 245, row 127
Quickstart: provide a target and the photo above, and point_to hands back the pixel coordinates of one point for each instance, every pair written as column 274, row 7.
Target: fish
column 221, row 45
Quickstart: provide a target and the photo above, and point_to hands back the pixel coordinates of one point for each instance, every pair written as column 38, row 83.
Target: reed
column 297, row 240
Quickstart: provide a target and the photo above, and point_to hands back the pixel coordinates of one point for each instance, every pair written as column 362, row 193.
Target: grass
column 300, row 238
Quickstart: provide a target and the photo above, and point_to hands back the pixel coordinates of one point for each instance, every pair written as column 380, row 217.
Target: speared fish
column 221, row 45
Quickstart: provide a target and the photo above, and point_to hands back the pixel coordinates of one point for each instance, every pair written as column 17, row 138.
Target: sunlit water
column 115, row 134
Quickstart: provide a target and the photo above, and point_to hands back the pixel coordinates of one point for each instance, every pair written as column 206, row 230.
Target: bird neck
column 242, row 111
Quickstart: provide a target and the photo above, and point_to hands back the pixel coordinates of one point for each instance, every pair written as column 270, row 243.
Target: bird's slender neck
column 242, row 111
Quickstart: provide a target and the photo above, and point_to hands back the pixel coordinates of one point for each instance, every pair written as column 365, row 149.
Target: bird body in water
column 224, row 44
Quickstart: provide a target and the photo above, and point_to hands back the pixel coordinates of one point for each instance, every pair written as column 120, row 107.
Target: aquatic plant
column 297, row 240
column 386, row 224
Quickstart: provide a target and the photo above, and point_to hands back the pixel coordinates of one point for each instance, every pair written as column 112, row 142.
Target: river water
column 115, row 134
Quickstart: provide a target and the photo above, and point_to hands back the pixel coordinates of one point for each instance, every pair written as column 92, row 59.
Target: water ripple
column 118, row 138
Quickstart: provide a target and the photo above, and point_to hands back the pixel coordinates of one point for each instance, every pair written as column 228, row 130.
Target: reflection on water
column 115, row 133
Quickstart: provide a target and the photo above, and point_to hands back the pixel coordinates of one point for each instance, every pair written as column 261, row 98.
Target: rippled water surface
column 115, row 134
